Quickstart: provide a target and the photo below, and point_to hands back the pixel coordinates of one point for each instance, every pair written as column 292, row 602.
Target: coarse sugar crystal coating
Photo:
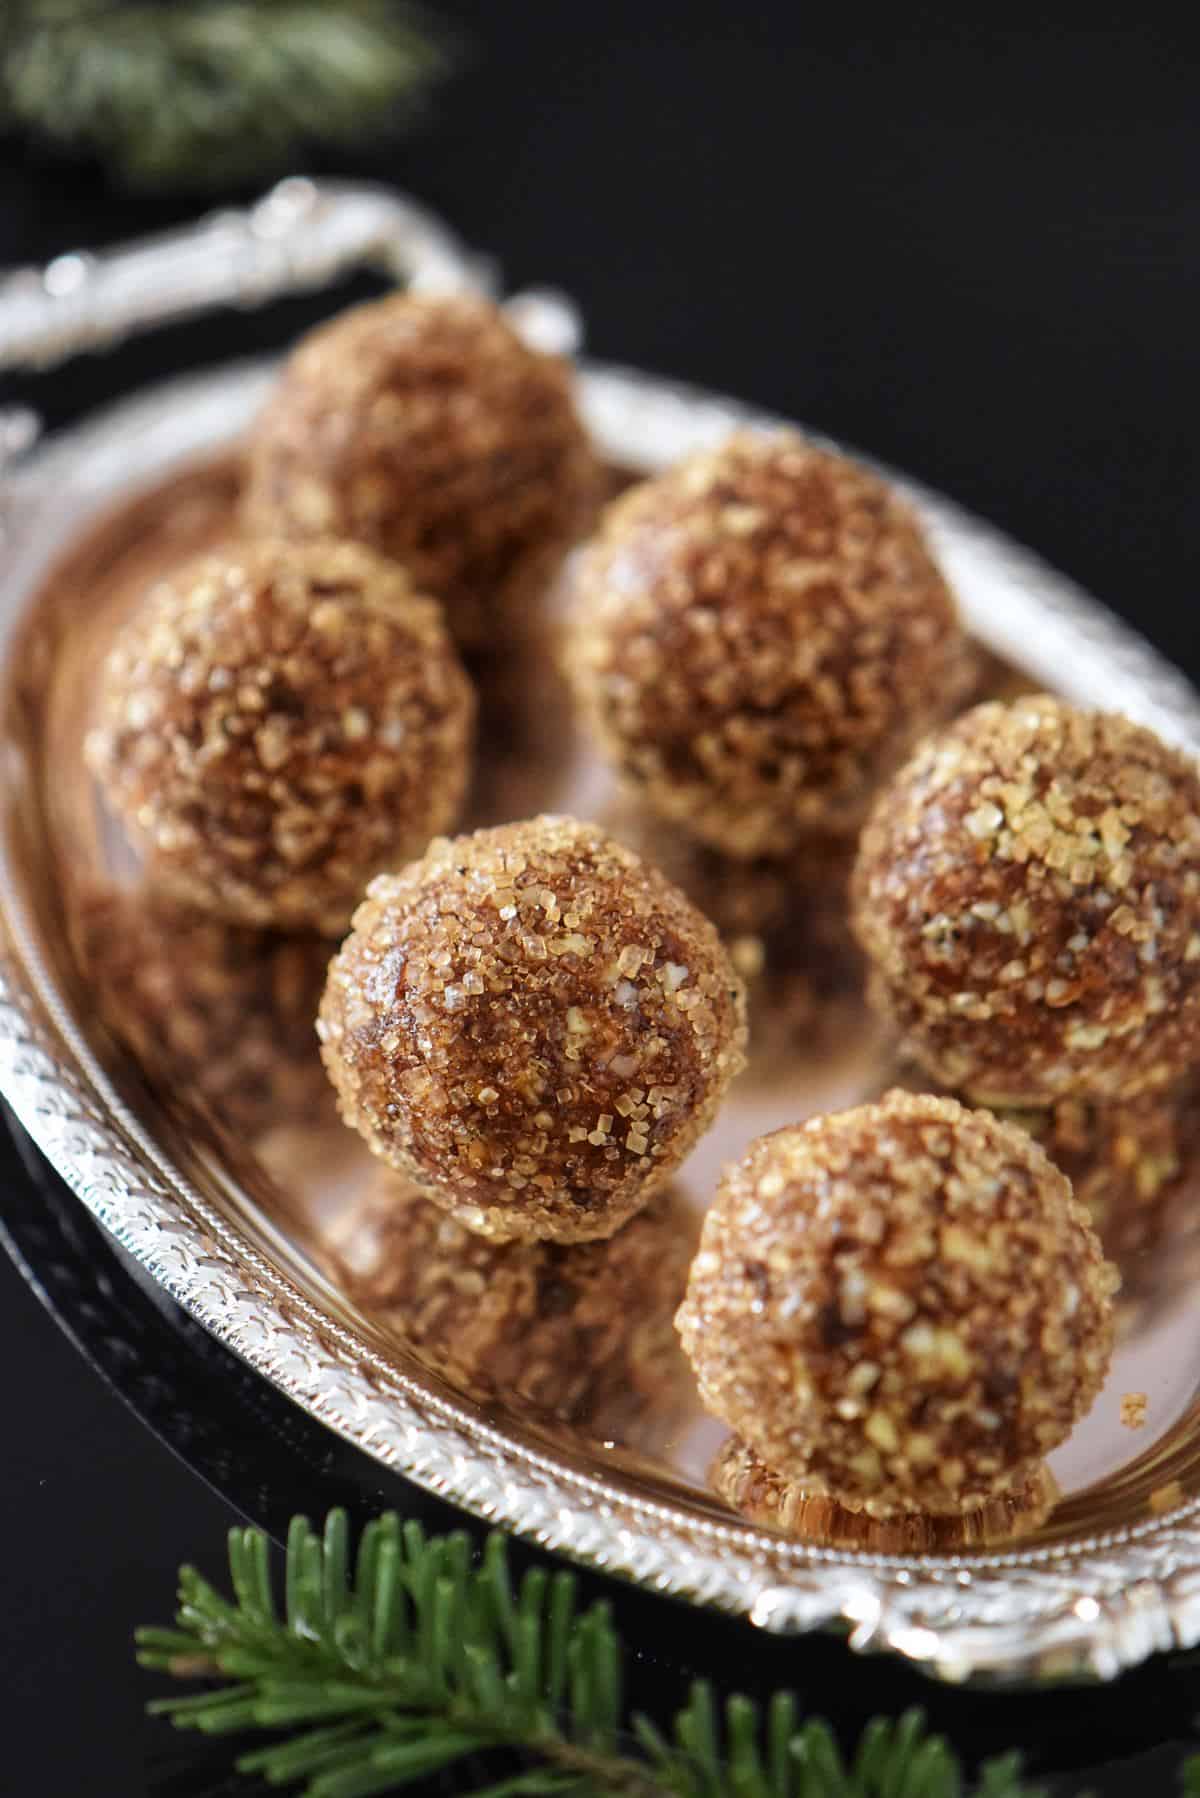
column 901, row 1305
column 758, row 636
column 534, row 1026
column 581, row 1331
column 1028, row 892
column 422, row 425
column 278, row 722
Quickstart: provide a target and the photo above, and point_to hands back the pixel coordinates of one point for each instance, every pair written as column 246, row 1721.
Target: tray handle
column 301, row 235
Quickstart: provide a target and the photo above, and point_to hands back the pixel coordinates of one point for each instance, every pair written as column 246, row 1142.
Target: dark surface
column 972, row 249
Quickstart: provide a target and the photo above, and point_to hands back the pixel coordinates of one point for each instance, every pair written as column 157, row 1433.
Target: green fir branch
column 407, row 1658
column 202, row 92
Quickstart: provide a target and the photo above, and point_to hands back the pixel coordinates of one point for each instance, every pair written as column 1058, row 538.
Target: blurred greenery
column 204, row 93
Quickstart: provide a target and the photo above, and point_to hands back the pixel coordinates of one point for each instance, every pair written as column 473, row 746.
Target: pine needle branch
column 407, row 1658
column 202, row 92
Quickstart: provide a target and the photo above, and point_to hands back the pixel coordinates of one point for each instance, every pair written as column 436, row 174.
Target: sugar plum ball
column 900, row 1305
column 758, row 637
column 423, row 426
column 277, row 723
column 533, row 1026
column 1028, row 892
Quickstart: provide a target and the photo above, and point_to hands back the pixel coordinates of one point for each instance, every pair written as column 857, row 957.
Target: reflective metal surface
column 166, row 1066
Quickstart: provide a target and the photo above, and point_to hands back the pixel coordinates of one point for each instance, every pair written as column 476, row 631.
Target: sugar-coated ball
column 758, row 636
column 533, row 1026
column 423, row 426
column 900, row 1305
column 1028, row 892
column 279, row 722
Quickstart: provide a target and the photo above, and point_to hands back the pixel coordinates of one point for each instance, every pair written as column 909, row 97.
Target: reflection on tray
column 218, row 1017
column 770, row 1500
column 582, row 1332
column 1136, row 1166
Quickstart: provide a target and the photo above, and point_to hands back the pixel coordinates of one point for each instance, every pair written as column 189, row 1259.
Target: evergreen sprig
column 409, row 1658
column 200, row 92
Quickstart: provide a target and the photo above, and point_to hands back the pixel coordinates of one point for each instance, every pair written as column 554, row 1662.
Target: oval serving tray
column 246, row 1200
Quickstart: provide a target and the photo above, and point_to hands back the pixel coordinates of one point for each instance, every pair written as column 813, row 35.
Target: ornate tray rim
column 1093, row 1607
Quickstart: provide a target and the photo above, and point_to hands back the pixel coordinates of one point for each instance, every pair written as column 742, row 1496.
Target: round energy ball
column 758, row 637
column 278, row 723
column 425, row 427
column 533, row 1026
column 1028, row 892
column 900, row 1305
column 582, row 1331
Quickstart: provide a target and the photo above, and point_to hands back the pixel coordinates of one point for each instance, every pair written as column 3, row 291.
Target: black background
column 970, row 246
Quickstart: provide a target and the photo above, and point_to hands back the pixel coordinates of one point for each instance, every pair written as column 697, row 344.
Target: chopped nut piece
column 1133, row 1409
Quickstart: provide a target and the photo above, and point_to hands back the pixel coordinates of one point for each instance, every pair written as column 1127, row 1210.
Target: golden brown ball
column 277, row 723
column 901, row 1305
column 1028, row 891
column 758, row 636
column 533, row 1026
column 423, row 426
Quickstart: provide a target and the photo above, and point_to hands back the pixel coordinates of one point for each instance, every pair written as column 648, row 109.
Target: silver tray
column 257, row 1224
